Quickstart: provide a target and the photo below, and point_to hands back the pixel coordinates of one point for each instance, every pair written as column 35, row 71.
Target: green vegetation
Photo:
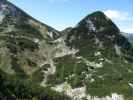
column 116, row 72
column 16, row 89
column 27, row 51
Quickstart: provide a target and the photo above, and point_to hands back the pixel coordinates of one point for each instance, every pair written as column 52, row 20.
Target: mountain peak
column 97, row 14
column 98, row 22
column 79, row 62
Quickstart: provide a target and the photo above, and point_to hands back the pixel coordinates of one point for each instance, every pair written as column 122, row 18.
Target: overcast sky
column 61, row 14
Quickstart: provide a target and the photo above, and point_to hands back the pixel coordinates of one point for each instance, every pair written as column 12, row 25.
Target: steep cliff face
column 91, row 61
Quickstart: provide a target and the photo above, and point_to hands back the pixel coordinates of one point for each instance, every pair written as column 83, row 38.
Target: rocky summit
column 91, row 61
